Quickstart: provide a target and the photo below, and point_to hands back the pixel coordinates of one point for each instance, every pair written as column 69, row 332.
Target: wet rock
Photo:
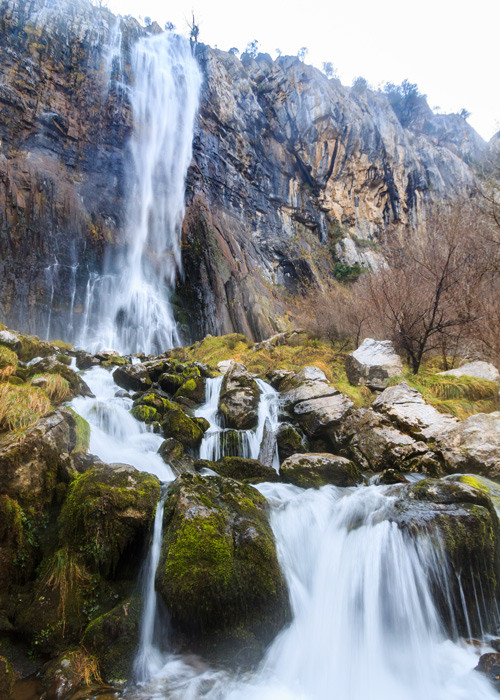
column 318, row 417
column 133, row 377
column 172, row 452
column 239, row 398
column 30, row 464
column 406, row 407
column 317, row 469
column 290, row 441
column 373, row 363
column 63, row 676
column 107, row 512
column 478, row 369
column 114, row 638
column 51, row 365
column 267, row 448
column 218, row 572
column 389, row 476
column 244, row 469
column 473, row 445
column 277, row 376
column 489, row 664
column 463, row 526
column 84, row 360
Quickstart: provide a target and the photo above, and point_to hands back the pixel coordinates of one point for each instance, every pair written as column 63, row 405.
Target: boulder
column 113, row 638
column 244, row 469
column 373, row 363
column 31, row 463
column 182, row 428
column 317, row 469
column 478, row 369
column 463, row 525
column 133, row 377
column 473, row 445
column 84, row 360
column 489, row 665
column 172, row 452
column 239, row 398
column 62, row 676
column 218, row 572
column 405, row 406
column 319, row 416
column 369, row 439
column 10, row 340
column 290, row 440
column 107, row 513
column 307, row 391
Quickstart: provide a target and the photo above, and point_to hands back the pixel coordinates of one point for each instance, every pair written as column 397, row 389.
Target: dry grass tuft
column 21, row 406
column 8, row 362
column 56, row 387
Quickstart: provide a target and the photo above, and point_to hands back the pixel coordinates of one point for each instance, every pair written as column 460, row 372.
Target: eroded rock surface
column 239, row 398
column 373, row 364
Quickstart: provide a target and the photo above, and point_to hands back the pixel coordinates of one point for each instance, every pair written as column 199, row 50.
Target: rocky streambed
column 243, row 544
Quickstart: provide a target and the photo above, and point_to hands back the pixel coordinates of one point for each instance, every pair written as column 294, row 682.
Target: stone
column 172, row 452
column 373, row 364
column 84, row 360
column 182, row 428
column 133, row 377
column 489, row 665
column 62, row 675
column 32, row 463
column 307, row 391
column 405, row 406
column 462, row 523
column 371, row 441
column 319, row 416
column 107, row 513
column 473, row 445
column 478, row 369
column 313, row 470
column 244, row 469
column 290, row 440
column 239, row 398
column 10, row 340
column 218, row 572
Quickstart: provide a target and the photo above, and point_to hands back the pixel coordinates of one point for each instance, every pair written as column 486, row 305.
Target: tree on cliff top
column 405, row 100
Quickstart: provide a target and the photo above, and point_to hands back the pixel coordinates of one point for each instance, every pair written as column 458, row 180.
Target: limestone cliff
column 292, row 173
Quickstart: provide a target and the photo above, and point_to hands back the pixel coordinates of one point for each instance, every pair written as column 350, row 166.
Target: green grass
column 460, row 396
column 327, row 356
column 8, row 362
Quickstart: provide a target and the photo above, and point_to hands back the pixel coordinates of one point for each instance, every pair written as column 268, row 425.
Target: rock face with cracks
column 373, row 364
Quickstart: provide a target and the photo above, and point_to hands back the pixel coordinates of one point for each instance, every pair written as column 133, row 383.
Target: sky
column 450, row 49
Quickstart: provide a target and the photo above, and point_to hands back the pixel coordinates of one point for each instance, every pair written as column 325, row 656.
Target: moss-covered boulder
column 290, row 441
column 218, row 570
column 174, row 454
column 463, row 525
column 182, row 428
column 145, row 414
column 32, row 463
column 152, row 399
column 67, row 673
column 239, row 398
column 318, row 469
column 244, row 469
column 192, row 388
column 113, row 638
column 107, row 513
column 133, row 377
column 6, row 679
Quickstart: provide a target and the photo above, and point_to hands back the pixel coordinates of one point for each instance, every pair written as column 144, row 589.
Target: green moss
column 114, row 638
column 18, row 543
column 114, row 361
column 82, row 432
column 146, row 414
column 64, row 359
column 8, row 362
column 106, row 510
column 67, row 347
column 182, row 428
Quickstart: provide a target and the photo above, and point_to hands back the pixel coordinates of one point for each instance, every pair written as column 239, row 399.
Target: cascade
column 128, row 308
column 220, row 442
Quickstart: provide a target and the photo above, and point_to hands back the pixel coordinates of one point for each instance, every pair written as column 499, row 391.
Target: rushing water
column 128, row 308
column 221, row 442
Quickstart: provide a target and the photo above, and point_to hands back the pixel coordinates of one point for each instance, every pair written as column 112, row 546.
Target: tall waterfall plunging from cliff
column 129, row 308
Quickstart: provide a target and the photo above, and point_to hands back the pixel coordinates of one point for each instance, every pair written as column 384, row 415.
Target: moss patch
column 82, row 432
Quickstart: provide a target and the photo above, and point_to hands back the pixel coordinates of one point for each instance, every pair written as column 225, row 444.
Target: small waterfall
column 221, row 442
column 149, row 659
column 113, row 60
column 129, row 309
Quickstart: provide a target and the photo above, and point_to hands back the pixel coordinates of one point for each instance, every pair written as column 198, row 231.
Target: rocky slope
column 292, row 173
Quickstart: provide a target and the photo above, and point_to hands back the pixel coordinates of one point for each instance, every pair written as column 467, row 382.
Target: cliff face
column 292, row 174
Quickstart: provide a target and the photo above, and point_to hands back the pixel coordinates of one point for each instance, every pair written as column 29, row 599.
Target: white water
column 219, row 441
column 115, row 436
column 128, row 309
column 364, row 624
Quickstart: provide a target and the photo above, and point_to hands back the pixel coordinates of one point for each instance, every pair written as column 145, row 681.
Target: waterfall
column 221, row 442
column 130, row 310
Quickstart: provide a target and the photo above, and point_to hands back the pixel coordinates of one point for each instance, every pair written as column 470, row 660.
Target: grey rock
column 473, row 445
column 317, row 469
column 239, row 398
column 10, row 340
column 479, row 369
column 373, row 363
column 318, row 416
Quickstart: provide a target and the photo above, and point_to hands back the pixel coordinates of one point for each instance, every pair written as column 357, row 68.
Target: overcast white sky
column 449, row 48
